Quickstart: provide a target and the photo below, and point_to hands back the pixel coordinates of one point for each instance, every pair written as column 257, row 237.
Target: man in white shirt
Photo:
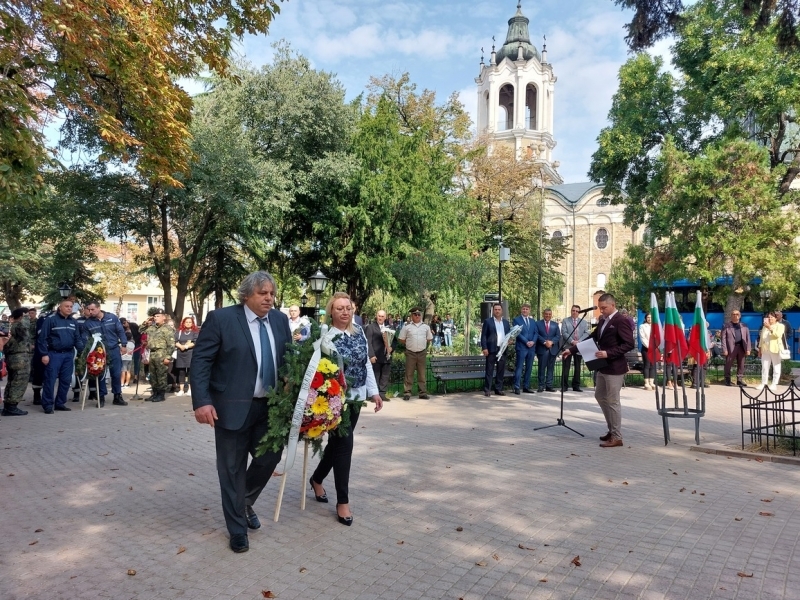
column 415, row 336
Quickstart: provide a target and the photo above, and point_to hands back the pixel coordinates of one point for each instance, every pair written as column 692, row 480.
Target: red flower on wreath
column 334, row 389
column 318, row 380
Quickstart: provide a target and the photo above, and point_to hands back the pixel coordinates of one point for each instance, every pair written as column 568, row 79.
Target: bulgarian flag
column 674, row 339
column 655, row 345
column 698, row 335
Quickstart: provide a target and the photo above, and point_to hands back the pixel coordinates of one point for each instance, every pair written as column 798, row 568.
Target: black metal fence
column 772, row 420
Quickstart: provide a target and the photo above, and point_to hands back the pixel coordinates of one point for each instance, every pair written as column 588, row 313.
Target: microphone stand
column 560, row 420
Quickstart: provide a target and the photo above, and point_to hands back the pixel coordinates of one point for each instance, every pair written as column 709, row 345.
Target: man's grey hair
column 524, row 304
column 253, row 283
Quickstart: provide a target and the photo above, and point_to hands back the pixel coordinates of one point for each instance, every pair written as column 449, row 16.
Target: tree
column 667, row 132
column 117, row 270
column 110, row 69
column 656, row 19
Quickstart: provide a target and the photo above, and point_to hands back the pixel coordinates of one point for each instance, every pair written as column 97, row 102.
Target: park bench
column 459, row 368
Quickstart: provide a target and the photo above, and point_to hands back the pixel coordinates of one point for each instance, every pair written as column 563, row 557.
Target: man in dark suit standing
column 573, row 330
column 493, row 332
column 614, row 337
column 235, row 363
column 525, row 347
column 549, row 336
column 380, row 351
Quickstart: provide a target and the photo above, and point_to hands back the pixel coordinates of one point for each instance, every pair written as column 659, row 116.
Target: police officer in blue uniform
column 58, row 340
column 113, row 335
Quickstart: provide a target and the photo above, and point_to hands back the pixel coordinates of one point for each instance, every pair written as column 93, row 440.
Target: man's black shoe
column 550, row 389
column 102, row 401
column 119, row 401
column 406, row 397
column 741, row 383
column 576, row 389
column 76, row 398
column 12, row 410
column 424, row 397
column 37, row 396
column 239, row 543
column 48, row 411
column 499, row 393
column 159, row 397
column 527, row 390
column 487, row 394
column 540, row 389
column 252, row 518
column 516, row 391
column 63, row 408
column 728, row 383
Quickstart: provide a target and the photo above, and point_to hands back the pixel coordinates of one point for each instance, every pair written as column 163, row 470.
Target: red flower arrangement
column 96, row 361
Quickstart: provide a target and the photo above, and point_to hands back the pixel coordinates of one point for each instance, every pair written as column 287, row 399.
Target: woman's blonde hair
column 329, row 308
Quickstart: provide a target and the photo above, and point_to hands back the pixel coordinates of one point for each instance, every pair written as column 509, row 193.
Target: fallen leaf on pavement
column 33, row 543
column 182, row 549
column 459, row 528
column 765, row 514
column 694, row 491
column 521, row 547
column 624, row 483
column 10, row 474
column 481, row 564
column 576, row 561
column 111, row 514
column 401, row 542
column 131, row 572
column 131, row 488
column 303, row 569
column 40, row 530
column 494, row 556
column 191, row 474
column 737, row 518
column 543, row 580
column 743, row 574
column 682, row 490
column 766, row 499
column 267, row 594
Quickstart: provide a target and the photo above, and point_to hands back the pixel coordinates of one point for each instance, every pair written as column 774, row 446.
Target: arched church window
column 530, row 106
column 557, row 235
column 603, row 202
column 506, row 105
column 601, row 239
column 601, row 281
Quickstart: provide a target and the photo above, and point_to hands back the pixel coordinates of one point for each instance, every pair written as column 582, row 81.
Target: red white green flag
column 675, row 346
column 655, row 345
column 698, row 335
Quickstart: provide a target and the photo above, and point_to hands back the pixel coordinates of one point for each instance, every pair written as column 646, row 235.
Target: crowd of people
column 42, row 352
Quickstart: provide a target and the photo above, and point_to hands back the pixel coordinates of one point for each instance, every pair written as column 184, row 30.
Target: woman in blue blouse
column 352, row 345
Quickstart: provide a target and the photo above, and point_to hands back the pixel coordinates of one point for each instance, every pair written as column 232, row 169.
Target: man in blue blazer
column 235, row 362
column 493, row 331
column 547, row 343
column 526, row 349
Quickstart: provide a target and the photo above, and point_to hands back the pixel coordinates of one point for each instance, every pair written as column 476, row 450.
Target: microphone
column 586, row 310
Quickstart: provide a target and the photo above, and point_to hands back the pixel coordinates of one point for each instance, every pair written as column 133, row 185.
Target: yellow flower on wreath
column 327, row 367
column 315, row 431
column 320, row 406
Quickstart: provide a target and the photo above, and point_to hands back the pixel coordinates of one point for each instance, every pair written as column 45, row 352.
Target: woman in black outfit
column 185, row 339
column 351, row 344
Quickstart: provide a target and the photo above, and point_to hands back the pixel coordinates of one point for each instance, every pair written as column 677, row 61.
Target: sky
column 439, row 44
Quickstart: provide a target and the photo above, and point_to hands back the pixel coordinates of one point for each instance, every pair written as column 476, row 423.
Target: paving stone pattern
column 135, row 488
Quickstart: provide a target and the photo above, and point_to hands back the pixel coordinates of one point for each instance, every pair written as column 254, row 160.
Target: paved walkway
column 455, row 497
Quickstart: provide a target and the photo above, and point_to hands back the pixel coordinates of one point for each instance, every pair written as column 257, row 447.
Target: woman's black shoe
column 323, row 498
column 343, row 520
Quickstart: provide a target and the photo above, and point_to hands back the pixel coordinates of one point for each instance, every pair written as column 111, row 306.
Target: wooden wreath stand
column 283, row 485
column 85, row 388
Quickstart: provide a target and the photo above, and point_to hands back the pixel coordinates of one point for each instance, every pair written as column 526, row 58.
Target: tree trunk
column 466, row 329
column 12, row 294
column 735, row 300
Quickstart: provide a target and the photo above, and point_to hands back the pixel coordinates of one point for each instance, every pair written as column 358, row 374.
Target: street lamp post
column 317, row 282
column 64, row 290
column 303, row 300
column 765, row 296
column 504, row 255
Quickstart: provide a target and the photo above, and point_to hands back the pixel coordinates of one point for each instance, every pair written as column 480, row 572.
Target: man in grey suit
column 235, row 363
column 573, row 330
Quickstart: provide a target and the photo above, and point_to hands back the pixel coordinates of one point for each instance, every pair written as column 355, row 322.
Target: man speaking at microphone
column 614, row 337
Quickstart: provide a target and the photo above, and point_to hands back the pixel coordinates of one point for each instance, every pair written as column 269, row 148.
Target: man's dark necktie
column 267, row 366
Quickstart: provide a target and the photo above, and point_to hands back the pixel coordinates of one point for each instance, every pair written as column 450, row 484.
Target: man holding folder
column 614, row 337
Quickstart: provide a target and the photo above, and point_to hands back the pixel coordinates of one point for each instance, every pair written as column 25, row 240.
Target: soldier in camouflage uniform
column 161, row 343
column 18, row 362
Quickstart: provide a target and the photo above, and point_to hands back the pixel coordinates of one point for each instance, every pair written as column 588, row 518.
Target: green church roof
column 517, row 36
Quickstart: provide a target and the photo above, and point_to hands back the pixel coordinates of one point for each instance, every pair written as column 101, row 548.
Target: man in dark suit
column 525, row 347
column 548, row 339
column 573, row 330
column 235, row 363
column 493, row 332
column 614, row 337
column 380, row 351
column 735, row 347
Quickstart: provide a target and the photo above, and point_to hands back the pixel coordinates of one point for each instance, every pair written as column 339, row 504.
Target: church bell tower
column 516, row 92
